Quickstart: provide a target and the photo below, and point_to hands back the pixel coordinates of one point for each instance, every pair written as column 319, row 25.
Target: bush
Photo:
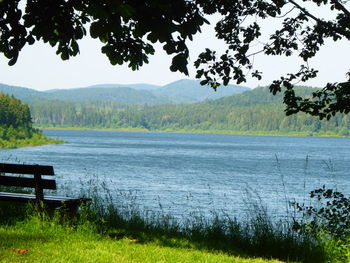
column 330, row 214
column 328, row 220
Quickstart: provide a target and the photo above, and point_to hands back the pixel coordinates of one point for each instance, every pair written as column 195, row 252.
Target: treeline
column 16, row 127
column 253, row 111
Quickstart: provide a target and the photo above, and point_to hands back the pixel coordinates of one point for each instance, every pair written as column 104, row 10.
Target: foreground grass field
column 38, row 241
column 104, row 231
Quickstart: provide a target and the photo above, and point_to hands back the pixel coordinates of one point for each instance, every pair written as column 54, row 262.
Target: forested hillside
column 255, row 111
column 186, row 91
column 258, row 96
column 16, row 125
column 181, row 91
column 121, row 95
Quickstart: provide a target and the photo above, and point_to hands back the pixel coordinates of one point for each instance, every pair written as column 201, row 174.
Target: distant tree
column 129, row 29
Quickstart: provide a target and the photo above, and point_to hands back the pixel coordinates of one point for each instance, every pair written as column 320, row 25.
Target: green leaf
column 12, row 61
column 95, row 29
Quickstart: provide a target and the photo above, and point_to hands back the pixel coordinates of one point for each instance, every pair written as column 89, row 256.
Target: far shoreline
column 251, row 133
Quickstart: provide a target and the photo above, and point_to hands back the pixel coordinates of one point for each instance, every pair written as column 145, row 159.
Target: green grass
column 109, row 231
column 103, row 233
column 42, row 241
column 120, row 228
column 35, row 140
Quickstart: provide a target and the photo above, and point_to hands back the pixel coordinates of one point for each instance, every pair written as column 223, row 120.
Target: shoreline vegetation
column 255, row 112
column 37, row 139
column 115, row 230
column 16, row 126
column 255, row 133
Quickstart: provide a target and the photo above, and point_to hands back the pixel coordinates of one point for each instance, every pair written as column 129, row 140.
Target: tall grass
column 257, row 234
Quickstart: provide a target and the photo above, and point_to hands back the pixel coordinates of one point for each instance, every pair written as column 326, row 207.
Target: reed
column 258, row 234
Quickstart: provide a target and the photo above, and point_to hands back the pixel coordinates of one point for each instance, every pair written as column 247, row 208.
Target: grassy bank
column 36, row 139
column 40, row 241
column 109, row 230
column 105, row 232
column 256, row 133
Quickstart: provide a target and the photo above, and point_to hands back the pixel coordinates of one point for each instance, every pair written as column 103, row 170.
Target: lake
column 179, row 173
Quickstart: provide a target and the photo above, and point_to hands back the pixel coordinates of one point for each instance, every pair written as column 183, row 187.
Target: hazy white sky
column 39, row 68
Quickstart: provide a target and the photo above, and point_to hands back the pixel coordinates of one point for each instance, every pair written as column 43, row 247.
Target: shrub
column 328, row 220
column 330, row 214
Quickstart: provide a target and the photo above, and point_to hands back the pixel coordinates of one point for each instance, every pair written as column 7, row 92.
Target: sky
column 38, row 67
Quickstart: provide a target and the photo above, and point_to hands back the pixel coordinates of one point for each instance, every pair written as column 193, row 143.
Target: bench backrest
column 36, row 182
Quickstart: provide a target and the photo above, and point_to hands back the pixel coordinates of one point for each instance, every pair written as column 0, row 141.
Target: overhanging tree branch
column 129, row 29
column 340, row 7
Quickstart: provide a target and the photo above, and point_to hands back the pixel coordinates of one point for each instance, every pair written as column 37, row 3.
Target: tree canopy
column 128, row 30
column 15, row 119
column 16, row 126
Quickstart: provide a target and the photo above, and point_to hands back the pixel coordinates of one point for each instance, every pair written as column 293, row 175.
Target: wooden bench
column 38, row 183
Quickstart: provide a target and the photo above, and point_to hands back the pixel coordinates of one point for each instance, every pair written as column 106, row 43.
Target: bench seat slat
column 27, row 182
column 26, row 169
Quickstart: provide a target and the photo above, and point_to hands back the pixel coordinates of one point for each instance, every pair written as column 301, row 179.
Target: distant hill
column 258, row 96
column 122, row 95
column 138, row 86
column 188, row 91
column 19, row 92
column 182, row 91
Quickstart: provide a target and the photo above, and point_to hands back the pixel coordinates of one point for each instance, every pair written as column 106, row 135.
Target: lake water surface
column 180, row 173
